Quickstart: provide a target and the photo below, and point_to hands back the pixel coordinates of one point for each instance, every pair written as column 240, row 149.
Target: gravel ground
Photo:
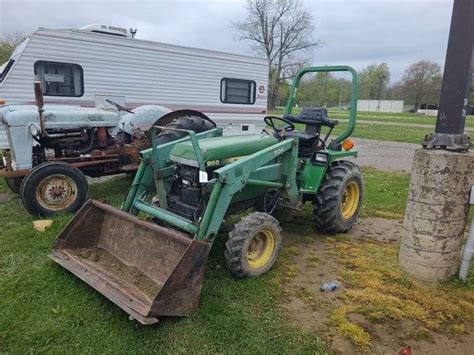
column 385, row 155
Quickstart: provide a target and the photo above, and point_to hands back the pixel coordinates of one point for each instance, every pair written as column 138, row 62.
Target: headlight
column 34, row 129
column 320, row 158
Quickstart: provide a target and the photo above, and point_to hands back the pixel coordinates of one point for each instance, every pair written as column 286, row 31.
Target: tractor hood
column 58, row 116
column 67, row 116
column 221, row 148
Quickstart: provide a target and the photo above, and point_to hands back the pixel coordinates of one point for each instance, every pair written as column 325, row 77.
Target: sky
column 352, row 32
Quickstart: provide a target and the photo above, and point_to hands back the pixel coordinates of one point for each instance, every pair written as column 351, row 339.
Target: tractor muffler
column 145, row 269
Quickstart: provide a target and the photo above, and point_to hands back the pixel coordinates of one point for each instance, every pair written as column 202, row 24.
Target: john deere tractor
column 149, row 256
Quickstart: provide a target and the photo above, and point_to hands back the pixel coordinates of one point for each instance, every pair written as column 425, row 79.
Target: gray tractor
column 53, row 148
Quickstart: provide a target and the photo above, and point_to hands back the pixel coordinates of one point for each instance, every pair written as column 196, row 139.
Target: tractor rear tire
column 253, row 245
column 14, row 183
column 190, row 123
column 339, row 199
column 53, row 188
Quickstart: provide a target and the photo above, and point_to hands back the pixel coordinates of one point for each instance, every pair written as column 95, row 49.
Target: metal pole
column 449, row 130
column 340, row 94
column 469, row 247
column 326, row 89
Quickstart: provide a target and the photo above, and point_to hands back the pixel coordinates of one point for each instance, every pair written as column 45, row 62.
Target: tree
column 323, row 89
column 281, row 30
column 374, row 81
column 8, row 43
column 282, row 94
column 396, row 91
column 422, row 83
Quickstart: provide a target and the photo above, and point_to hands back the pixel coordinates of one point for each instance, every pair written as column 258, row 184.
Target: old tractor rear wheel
column 190, row 123
column 14, row 183
column 53, row 188
column 253, row 245
column 339, row 199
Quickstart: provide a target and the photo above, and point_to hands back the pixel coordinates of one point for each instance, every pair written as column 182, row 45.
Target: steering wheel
column 119, row 107
column 269, row 121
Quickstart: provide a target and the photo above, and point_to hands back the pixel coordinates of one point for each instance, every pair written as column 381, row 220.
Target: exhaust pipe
column 39, row 100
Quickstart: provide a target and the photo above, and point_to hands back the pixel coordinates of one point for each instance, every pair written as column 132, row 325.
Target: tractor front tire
column 14, row 183
column 53, row 188
column 339, row 199
column 253, row 245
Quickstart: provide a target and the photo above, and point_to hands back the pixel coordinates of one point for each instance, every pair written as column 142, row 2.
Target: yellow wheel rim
column 350, row 200
column 56, row 192
column 260, row 249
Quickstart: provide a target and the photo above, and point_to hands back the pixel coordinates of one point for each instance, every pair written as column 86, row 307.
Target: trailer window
column 238, row 91
column 4, row 68
column 60, row 79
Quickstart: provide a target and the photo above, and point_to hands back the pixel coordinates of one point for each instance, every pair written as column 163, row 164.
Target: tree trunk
column 270, row 102
column 271, row 89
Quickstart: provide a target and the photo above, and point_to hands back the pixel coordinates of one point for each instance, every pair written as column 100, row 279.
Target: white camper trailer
column 86, row 66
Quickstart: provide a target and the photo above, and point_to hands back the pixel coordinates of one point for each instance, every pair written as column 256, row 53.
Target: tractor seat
column 220, row 148
column 313, row 116
column 302, row 136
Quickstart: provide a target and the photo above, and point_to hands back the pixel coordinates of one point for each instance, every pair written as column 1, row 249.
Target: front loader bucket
column 145, row 269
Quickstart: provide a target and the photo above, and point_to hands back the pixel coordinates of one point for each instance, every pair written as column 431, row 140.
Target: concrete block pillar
column 436, row 213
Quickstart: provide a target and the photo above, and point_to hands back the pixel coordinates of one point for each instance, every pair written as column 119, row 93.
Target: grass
column 385, row 193
column 385, row 196
column 396, row 133
column 402, row 117
column 348, row 329
column 387, row 133
column 379, row 290
column 46, row 309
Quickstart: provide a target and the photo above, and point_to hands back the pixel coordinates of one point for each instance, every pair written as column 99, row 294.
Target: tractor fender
column 142, row 118
column 167, row 118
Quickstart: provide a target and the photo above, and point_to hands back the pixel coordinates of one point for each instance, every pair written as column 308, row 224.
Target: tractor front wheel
column 339, row 199
column 253, row 245
column 53, row 188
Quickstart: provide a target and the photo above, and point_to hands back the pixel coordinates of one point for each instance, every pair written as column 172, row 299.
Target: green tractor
column 149, row 256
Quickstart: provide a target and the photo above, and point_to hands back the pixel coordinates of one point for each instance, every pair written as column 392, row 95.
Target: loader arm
column 235, row 176
column 155, row 168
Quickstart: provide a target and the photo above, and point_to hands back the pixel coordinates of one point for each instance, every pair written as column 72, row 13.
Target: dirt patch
column 378, row 229
column 341, row 324
column 126, row 273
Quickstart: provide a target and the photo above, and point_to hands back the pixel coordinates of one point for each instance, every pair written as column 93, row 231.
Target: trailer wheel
column 253, row 245
column 14, row 183
column 339, row 199
column 53, row 188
